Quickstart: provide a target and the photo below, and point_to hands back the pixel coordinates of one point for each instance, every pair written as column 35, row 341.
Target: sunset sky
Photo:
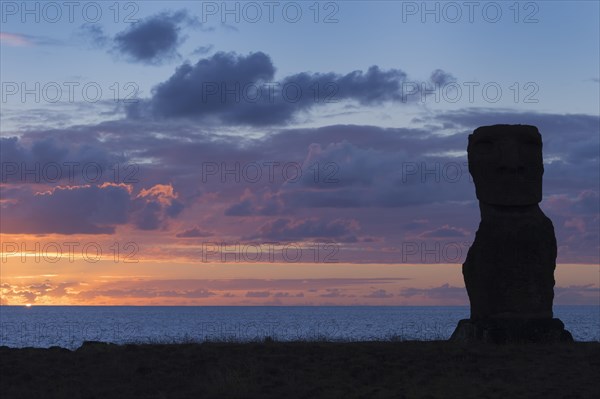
column 211, row 153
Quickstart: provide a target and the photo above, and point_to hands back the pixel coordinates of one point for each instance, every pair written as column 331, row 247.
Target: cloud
column 567, row 138
column 14, row 39
column 379, row 294
column 24, row 40
column 586, row 202
column 193, row 233
column 445, row 231
column 203, row 50
column 288, row 295
column 256, row 284
column 88, row 209
column 146, row 293
column 153, row 40
column 441, row 77
column 586, row 294
column 185, row 94
column 576, row 218
column 94, row 34
column 74, row 209
column 240, row 89
column 258, row 294
column 443, row 292
column 30, row 293
column 76, row 178
column 333, row 293
column 52, row 161
column 153, row 207
column 381, row 179
column 243, row 208
column 46, row 290
column 291, row 230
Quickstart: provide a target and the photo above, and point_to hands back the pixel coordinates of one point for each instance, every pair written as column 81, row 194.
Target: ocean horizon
column 69, row 326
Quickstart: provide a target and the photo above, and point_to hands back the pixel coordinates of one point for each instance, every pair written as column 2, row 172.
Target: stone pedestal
column 511, row 330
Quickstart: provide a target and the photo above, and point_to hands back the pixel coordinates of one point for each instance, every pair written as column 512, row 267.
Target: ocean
column 69, row 326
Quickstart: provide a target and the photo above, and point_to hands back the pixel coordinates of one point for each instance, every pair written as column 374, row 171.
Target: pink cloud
column 14, row 39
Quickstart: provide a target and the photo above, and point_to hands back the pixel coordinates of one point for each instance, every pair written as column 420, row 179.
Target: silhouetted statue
column 509, row 270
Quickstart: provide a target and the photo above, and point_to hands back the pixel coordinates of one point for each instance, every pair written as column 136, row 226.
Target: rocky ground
column 406, row 369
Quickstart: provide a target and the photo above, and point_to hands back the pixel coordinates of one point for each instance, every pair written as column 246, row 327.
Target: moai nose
column 510, row 161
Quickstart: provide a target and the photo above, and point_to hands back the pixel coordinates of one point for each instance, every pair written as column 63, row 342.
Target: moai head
column 506, row 164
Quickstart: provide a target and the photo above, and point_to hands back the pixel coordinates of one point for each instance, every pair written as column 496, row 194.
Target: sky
column 282, row 153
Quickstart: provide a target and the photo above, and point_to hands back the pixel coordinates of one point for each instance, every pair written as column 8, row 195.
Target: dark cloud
column 68, row 210
column 50, row 161
column 249, row 285
column 587, row 203
column 203, row 50
column 577, row 295
column 152, row 208
column 445, row 291
column 571, row 174
column 194, row 232
column 146, row 293
column 87, row 209
column 372, row 183
column 445, row 232
column 243, row 208
column 94, row 34
column 258, row 294
column 239, row 89
column 293, row 230
column 587, row 294
column 333, row 293
column 197, row 293
column 441, row 77
column 152, row 40
column 288, row 295
column 379, row 294
column 186, row 93
column 566, row 137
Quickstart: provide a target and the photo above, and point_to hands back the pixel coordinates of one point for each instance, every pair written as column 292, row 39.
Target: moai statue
column 509, row 270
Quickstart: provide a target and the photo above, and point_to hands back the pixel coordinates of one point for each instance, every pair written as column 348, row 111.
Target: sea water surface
column 69, row 326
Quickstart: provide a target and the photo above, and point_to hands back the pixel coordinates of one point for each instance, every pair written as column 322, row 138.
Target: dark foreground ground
column 406, row 369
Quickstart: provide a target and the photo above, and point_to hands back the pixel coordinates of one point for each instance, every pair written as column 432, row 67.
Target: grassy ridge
column 410, row 369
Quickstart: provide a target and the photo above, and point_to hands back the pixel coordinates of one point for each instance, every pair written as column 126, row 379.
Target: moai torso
column 509, row 270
